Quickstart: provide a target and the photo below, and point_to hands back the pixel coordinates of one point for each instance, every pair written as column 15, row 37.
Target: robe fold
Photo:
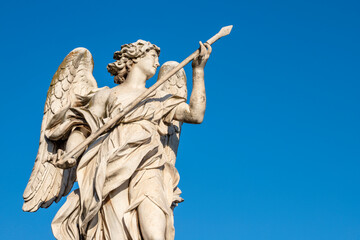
column 118, row 170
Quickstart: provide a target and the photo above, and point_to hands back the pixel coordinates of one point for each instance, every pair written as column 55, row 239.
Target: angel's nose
column 157, row 63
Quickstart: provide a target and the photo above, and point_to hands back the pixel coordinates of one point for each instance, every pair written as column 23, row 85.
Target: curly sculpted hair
column 127, row 57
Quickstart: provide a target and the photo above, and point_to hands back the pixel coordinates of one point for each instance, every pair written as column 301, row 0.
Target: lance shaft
column 112, row 122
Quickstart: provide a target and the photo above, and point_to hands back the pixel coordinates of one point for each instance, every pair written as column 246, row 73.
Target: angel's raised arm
column 194, row 111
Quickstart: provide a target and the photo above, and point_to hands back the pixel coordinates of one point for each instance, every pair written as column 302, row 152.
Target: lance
column 112, row 122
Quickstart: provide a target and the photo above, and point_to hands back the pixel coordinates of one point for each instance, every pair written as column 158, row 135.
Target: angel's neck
column 135, row 79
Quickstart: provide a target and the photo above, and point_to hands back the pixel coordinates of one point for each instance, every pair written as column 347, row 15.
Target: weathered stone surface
column 127, row 177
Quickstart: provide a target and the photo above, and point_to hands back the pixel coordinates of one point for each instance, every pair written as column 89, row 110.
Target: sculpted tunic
column 118, row 170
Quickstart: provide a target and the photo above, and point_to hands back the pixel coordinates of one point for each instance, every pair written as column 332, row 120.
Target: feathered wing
column 176, row 86
column 48, row 183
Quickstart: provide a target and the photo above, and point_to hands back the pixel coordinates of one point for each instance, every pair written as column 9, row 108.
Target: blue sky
column 277, row 156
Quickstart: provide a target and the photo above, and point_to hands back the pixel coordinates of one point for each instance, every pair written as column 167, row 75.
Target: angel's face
column 149, row 63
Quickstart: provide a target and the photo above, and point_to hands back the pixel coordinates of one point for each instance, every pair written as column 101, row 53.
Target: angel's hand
column 58, row 161
column 205, row 51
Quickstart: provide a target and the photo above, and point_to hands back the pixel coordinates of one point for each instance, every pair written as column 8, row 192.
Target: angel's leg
column 152, row 220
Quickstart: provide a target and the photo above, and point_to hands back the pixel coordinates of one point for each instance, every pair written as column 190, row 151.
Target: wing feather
column 48, row 183
column 176, row 86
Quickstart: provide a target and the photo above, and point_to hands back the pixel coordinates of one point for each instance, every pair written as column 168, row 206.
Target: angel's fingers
column 202, row 49
column 209, row 48
column 53, row 159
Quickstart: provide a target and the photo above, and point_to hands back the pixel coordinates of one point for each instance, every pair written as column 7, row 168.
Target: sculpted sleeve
column 62, row 124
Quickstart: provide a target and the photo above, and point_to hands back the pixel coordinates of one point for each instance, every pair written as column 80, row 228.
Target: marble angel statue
column 127, row 177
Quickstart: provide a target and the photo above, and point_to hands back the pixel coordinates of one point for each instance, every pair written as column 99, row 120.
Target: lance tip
column 226, row 30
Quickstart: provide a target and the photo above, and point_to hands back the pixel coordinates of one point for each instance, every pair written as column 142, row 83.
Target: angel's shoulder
column 99, row 98
column 102, row 94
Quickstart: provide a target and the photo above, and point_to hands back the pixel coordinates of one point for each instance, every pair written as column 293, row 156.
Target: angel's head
column 141, row 53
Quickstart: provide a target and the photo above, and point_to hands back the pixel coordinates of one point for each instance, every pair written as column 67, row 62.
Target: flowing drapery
column 118, row 170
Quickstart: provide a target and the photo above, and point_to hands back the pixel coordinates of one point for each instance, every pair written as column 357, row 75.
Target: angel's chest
column 148, row 107
column 121, row 97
